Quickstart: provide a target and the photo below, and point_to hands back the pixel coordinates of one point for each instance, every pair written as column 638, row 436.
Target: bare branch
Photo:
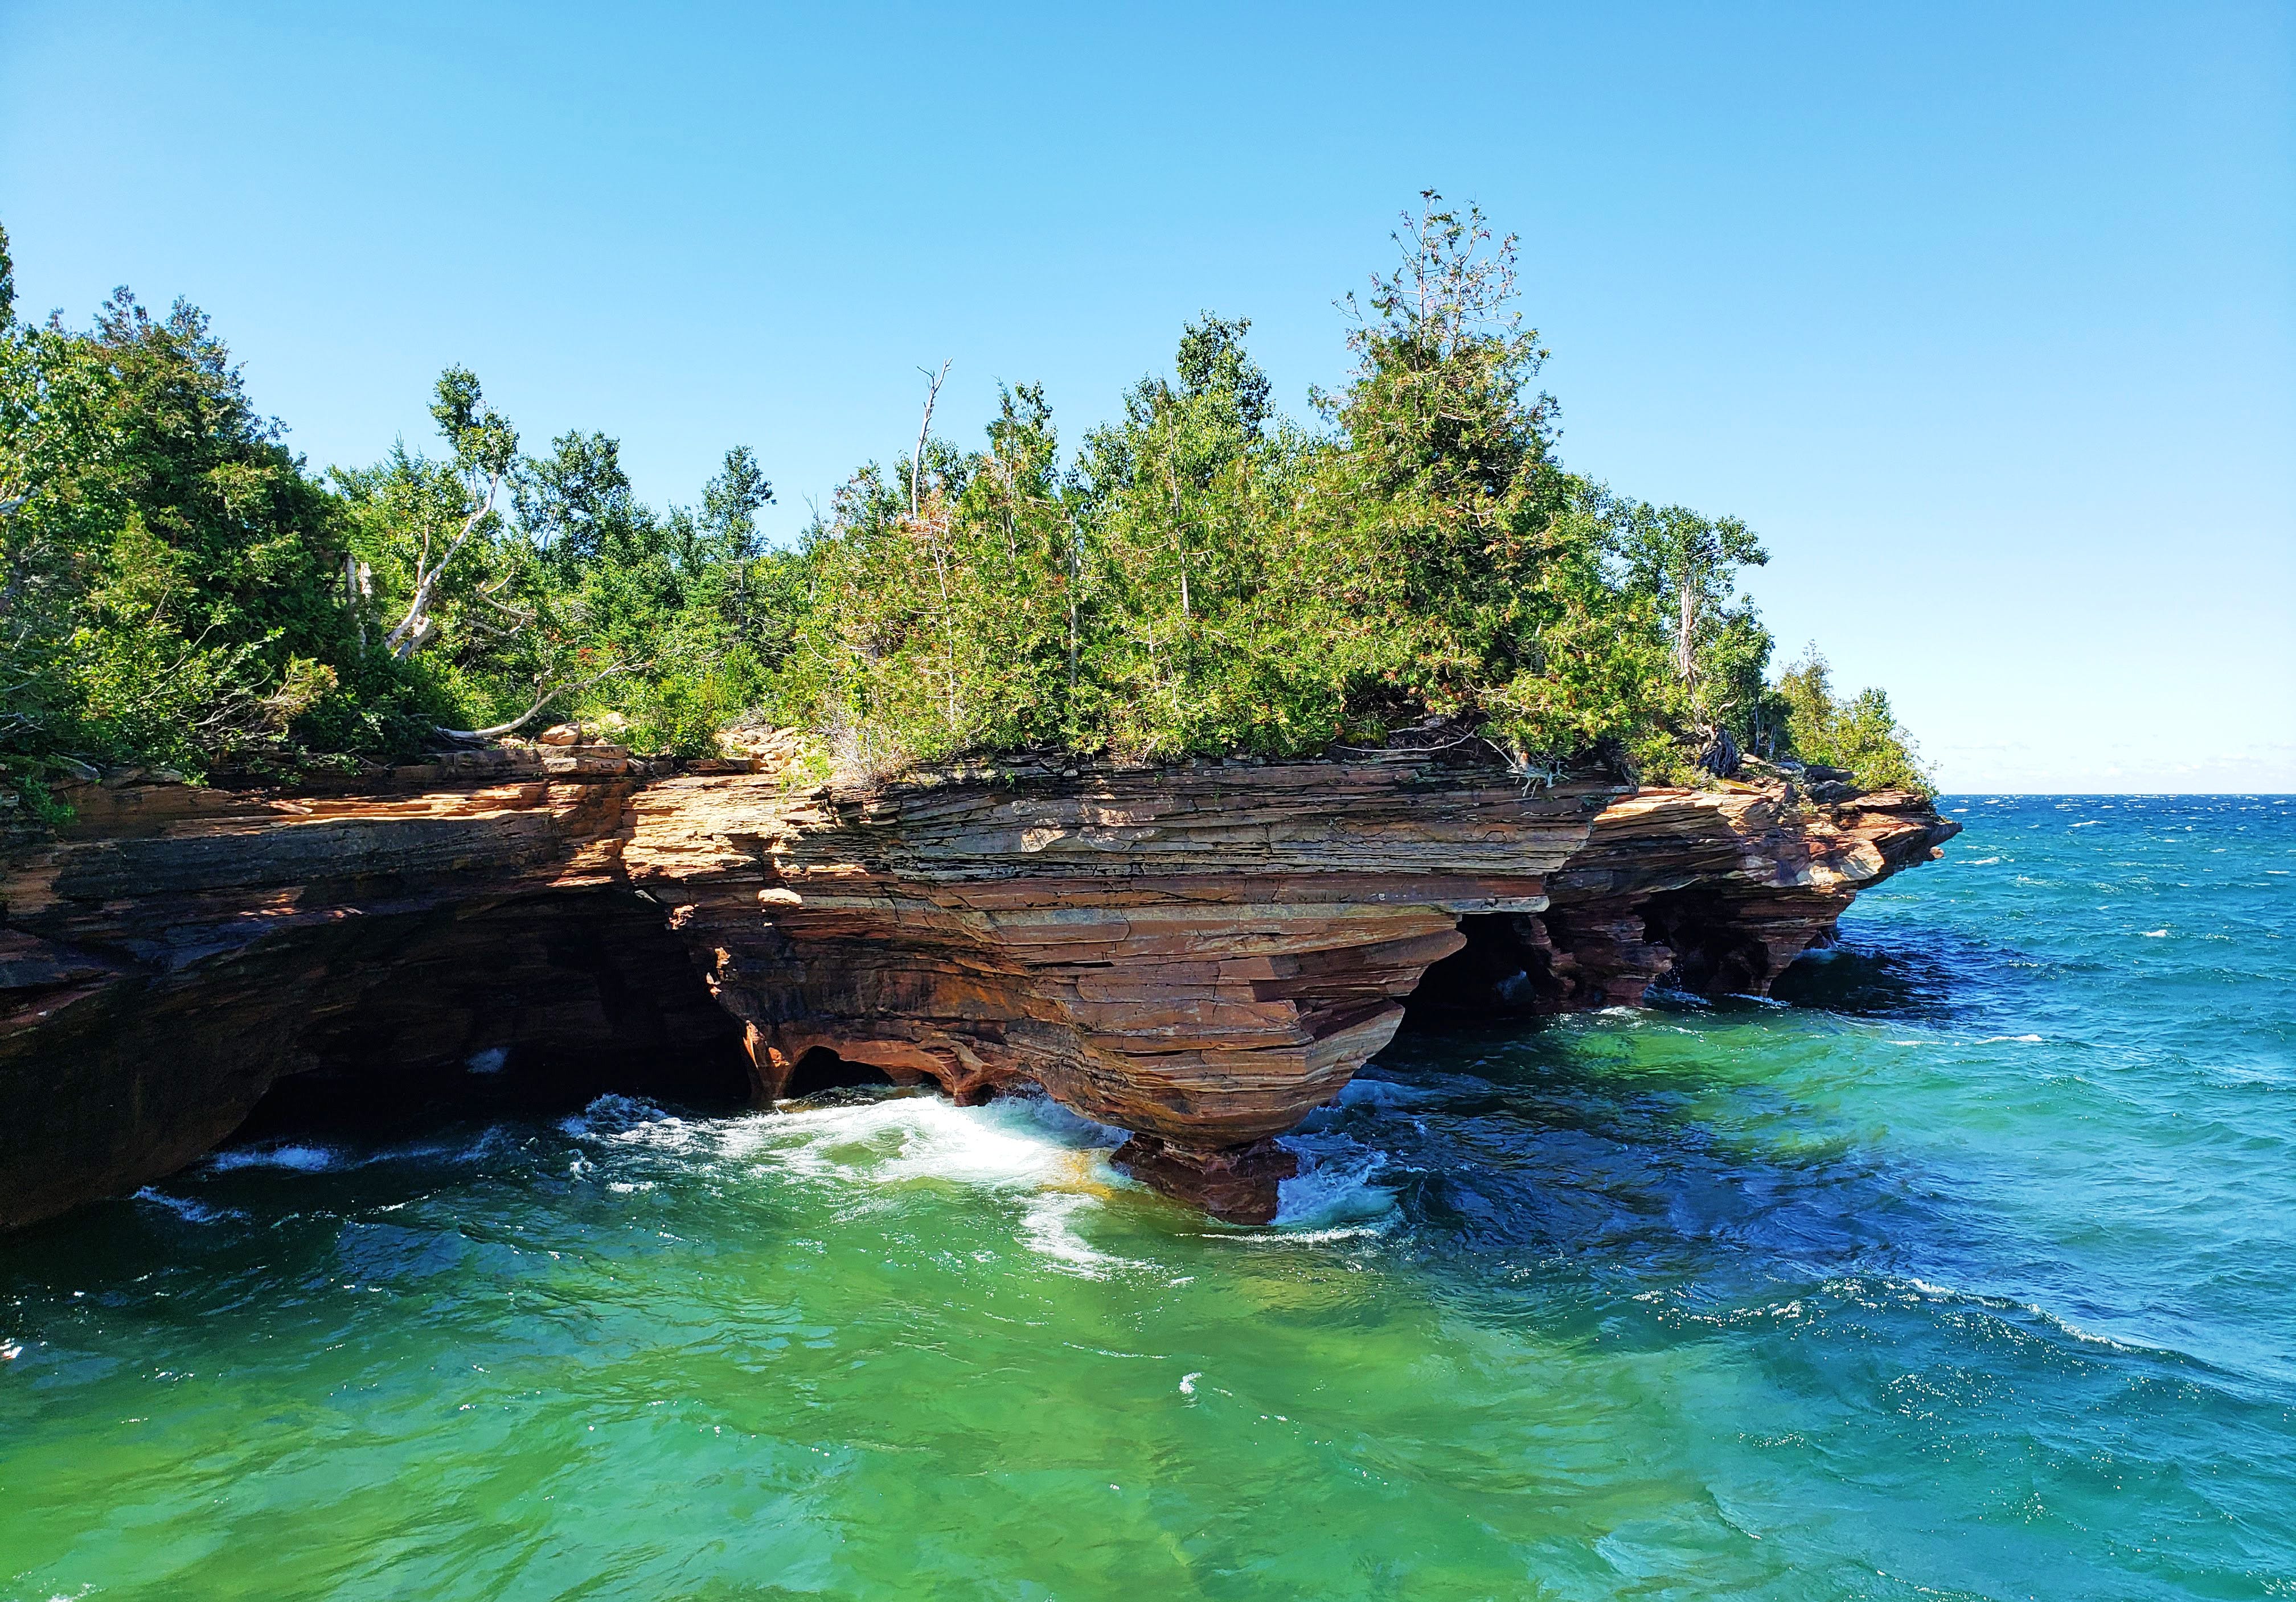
column 535, row 711
column 413, row 630
column 917, row 460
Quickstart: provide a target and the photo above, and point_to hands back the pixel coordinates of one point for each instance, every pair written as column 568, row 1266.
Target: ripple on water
column 1962, row 1275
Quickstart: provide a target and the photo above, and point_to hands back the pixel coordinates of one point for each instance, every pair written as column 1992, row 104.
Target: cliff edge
column 1197, row 954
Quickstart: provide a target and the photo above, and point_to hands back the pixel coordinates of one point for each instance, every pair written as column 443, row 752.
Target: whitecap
column 610, row 1113
column 1023, row 1145
column 1994, row 1040
column 1048, row 1228
column 1069, row 1125
column 1672, row 998
column 185, row 1208
column 2155, row 934
column 2033, row 1310
column 1982, row 861
column 1332, row 1189
column 303, row 1159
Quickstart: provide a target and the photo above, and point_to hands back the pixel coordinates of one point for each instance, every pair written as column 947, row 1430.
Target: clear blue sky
column 1984, row 316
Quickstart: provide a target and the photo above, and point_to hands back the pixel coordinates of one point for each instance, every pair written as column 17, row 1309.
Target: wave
column 186, row 1209
column 302, row 1159
column 1332, row 1197
column 1028, row 1148
column 1928, row 1290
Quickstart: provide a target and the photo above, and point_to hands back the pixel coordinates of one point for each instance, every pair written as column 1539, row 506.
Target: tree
column 1688, row 566
column 1201, row 576
column 1473, row 581
column 484, row 445
column 577, row 504
column 730, row 504
column 169, row 591
column 1860, row 733
column 1691, row 563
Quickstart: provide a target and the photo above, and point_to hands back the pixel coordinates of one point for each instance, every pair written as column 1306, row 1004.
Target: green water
column 1972, row 1273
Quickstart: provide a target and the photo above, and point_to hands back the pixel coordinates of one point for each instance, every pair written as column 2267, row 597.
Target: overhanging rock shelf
column 1199, row 955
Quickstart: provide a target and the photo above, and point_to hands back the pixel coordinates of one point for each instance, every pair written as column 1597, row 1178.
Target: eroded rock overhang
column 1198, row 954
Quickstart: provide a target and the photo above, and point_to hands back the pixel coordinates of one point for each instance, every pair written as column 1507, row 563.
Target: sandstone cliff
column 1199, row 955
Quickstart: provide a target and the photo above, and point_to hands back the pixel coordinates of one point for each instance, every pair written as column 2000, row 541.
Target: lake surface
column 1969, row 1273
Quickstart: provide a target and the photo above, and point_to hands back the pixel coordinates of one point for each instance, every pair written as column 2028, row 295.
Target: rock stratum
column 1198, row 955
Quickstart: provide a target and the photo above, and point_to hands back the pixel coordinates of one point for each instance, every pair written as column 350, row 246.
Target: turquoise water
column 1970, row 1273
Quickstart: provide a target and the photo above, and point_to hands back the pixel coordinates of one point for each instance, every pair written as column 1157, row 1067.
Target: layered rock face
column 1713, row 892
column 178, row 950
column 1198, row 955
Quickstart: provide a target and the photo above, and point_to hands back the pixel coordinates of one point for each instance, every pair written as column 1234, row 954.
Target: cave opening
column 1506, row 970
column 531, row 1007
column 823, row 1069
column 1713, row 955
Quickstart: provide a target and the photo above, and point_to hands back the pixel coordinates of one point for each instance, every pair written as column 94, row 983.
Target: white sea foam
column 1982, row 861
column 2156, row 933
column 185, row 1208
column 303, row 1159
column 1996, row 1040
column 1028, row 1148
column 1332, row 1195
column 612, row 1114
column 1048, row 1228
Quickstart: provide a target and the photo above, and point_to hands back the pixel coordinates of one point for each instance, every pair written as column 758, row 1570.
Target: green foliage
column 1197, row 575
column 1858, row 732
column 1206, row 578
column 177, row 592
column 169, row 595
column 583, row 601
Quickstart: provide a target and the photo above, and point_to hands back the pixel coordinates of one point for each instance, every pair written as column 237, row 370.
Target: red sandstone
column 1198, row 955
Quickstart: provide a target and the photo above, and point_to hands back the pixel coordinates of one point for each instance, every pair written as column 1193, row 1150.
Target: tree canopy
column 1198, row 576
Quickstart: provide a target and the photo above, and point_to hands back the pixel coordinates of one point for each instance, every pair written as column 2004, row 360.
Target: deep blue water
column 1970, row 1271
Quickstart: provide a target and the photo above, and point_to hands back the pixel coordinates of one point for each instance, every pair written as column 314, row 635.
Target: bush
column 1860, row 734
column 1197, row 576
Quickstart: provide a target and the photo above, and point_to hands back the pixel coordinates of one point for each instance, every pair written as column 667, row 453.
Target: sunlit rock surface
column 1199, row 955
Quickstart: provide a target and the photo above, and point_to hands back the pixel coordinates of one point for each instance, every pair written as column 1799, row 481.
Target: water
column 1971, row 1274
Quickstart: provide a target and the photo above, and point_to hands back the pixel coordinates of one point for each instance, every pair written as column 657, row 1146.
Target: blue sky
column 1983, row 316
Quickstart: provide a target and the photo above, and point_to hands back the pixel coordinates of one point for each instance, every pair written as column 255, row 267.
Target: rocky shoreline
column 1198, row 954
